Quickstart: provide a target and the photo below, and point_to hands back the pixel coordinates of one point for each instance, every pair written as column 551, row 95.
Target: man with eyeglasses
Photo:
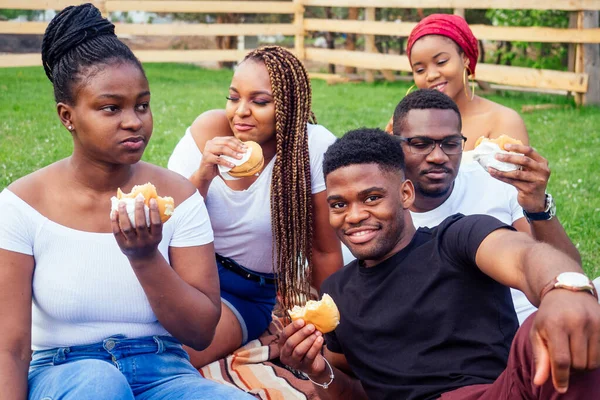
column 429, row 124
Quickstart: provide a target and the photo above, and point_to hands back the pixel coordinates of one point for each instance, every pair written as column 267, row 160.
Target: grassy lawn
column 32, row 137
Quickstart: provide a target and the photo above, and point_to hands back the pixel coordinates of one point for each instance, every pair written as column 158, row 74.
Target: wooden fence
column 576, row 81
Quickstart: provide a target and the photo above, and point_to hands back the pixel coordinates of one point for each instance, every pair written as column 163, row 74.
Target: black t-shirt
column 426, row 320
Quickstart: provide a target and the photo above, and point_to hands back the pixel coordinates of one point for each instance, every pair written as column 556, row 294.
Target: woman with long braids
column 272, row 233
column 104, row 303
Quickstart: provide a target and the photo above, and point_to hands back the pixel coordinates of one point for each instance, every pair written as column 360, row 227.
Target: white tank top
column 241, row 219
column 84, row 289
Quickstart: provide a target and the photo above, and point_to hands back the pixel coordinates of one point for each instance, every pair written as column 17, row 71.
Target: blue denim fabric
column 250, row 301
column 148, row 368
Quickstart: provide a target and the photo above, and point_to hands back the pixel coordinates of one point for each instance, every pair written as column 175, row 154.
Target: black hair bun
column 70, row 28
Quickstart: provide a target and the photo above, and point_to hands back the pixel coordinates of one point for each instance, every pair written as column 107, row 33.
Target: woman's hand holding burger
column 138, row 241
column 138, row 229
column 211, row 156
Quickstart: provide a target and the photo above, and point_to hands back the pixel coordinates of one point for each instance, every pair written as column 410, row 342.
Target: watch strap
column 553, row 285
column 545, row 215
column 539, row 216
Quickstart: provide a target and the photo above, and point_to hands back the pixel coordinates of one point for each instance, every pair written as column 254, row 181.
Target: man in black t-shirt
column 427, row 314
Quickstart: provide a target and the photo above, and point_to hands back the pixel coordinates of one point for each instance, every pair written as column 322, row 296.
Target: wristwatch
column 573, row 281
column 546, row 215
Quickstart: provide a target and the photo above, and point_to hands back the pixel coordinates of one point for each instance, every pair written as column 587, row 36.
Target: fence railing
column 576, row 81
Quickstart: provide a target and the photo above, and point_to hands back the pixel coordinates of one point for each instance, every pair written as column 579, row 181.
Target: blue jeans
column 251, row 301
column 147, row 368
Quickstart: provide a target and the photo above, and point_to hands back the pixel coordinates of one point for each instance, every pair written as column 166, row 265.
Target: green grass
column 32, row 137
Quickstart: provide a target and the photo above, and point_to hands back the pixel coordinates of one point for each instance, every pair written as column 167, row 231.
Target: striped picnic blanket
column 255, row 368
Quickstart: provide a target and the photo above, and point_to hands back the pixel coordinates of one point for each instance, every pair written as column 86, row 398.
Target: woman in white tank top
column 272, row 233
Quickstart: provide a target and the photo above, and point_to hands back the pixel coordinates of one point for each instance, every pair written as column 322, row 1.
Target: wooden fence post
column 571, row 51
column 579, row 58
column 300, row 32
column 460, row 12
column 351, row 38
column 591, row 60
column 370, row 43
column 370, row 47
column 101, row 4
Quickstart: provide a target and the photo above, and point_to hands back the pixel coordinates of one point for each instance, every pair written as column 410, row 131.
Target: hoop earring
column 410, row 89
column 467, row 84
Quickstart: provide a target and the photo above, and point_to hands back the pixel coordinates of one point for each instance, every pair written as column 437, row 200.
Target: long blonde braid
column 291, row 203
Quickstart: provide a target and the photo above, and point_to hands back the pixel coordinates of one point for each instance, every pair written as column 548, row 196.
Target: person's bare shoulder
column 32, row 188
column 167, row 182
column 208, row 125
column 507, row 121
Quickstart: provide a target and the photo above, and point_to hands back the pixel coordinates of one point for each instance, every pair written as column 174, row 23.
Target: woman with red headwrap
column 443, row 54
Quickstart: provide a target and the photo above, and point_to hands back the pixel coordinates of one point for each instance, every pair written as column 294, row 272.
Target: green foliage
column 525, row 54
column 204, row 18
column 32, row 137
column 550, row 18
column 12, row 14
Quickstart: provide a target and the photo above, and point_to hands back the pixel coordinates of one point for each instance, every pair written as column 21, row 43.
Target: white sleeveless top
column 241, row 219
column 84, row 289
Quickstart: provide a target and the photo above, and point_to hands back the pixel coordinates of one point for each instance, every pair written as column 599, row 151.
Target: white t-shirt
column 475, row 192
column 84, row 288
column 241, row 219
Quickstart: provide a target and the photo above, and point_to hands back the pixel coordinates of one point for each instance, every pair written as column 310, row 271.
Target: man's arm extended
column 566, row 328
column 517, row 260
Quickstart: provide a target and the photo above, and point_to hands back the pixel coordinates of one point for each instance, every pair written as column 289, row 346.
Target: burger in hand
column 323, row 314
column 166, row 205
column 250, row 164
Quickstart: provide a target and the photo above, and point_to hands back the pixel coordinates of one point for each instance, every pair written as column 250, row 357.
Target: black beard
column 435, row 194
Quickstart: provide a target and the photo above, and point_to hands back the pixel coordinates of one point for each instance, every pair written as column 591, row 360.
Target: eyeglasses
column 423, row 145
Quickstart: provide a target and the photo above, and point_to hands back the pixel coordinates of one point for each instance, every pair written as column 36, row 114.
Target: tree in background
column 526, row 54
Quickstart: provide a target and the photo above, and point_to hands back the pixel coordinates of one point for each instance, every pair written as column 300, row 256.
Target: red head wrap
column 450, row 26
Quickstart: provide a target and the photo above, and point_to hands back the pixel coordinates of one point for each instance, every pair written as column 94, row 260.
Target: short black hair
column 365, row 146
column 422, row 99
column 78, row 38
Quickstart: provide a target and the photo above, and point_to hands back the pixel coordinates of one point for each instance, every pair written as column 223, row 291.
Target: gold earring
column 466, row 84
column 410, row 89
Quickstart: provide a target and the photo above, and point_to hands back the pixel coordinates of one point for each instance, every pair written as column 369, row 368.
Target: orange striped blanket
column 255, row 368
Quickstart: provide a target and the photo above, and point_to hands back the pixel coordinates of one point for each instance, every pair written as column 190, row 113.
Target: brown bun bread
column 166, row 205
column 323, row 314
column 254, row 163
column 500, row 141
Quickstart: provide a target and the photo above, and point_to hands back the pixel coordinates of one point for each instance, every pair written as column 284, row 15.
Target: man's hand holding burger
column 300, row 347
column 531, row 179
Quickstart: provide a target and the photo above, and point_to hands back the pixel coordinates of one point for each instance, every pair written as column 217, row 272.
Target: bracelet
column 331, row 376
